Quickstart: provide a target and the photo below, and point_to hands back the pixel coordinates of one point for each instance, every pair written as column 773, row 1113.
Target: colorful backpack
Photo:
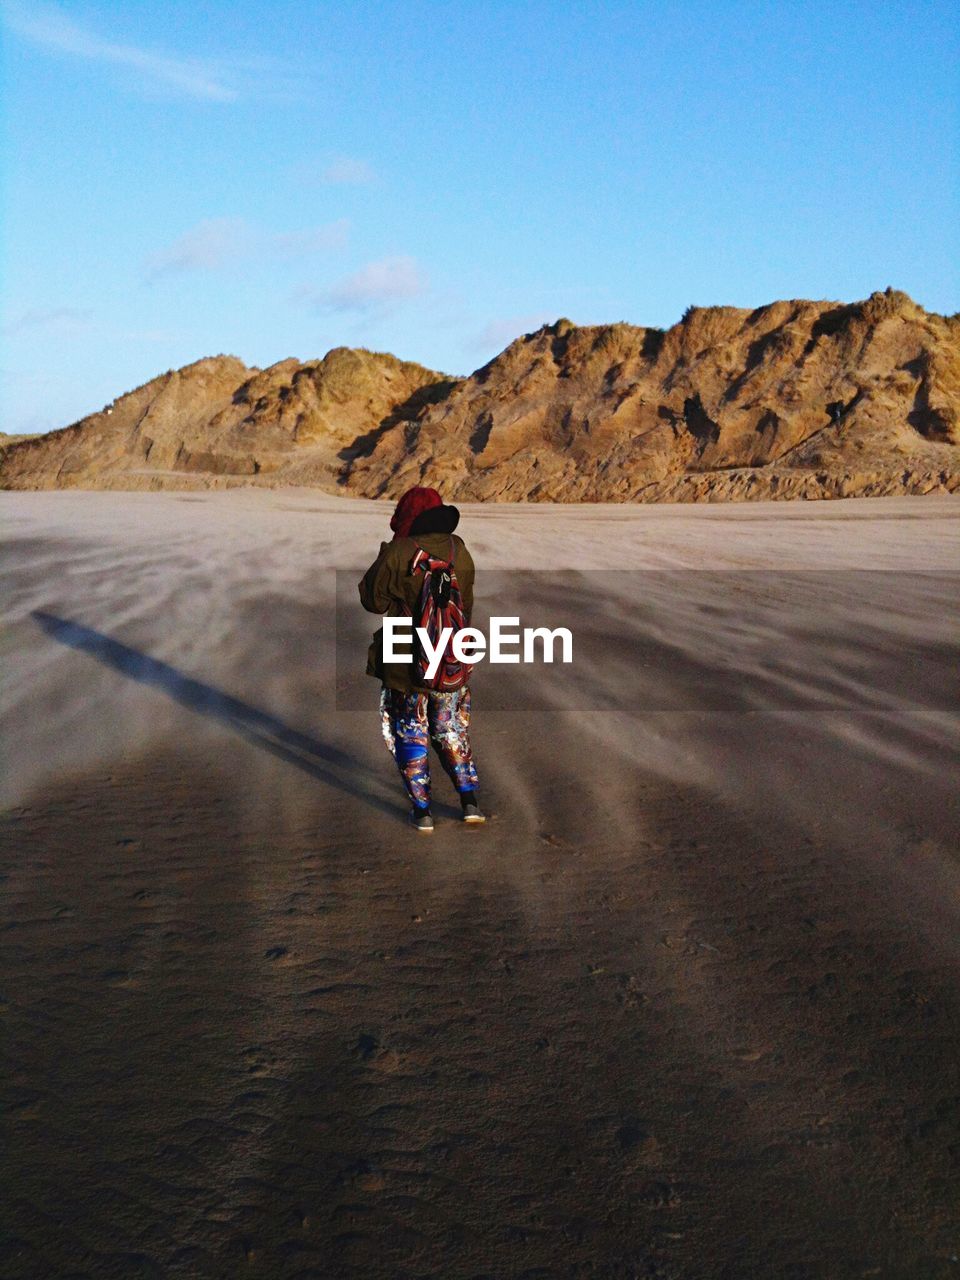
column 439, row 605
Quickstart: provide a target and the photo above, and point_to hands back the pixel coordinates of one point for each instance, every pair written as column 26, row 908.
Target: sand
column 687, row 1006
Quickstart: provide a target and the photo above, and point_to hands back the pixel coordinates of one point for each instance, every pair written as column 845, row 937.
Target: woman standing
column 411, row 714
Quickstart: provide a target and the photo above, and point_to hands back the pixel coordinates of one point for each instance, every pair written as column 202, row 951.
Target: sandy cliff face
column 217, row 422
column 795, row 399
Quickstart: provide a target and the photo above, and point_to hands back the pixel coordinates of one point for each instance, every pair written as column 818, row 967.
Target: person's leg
column 386, row 719
column 449, row 717
column 411, row 741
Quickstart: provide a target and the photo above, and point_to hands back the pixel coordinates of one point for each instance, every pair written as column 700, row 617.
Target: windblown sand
column 687, row 1006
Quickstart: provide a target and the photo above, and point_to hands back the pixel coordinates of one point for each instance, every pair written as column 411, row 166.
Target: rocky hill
column 794, row 399
column 217, row 423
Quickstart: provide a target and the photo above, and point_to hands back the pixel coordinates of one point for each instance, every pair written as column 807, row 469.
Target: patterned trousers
column 411, row 720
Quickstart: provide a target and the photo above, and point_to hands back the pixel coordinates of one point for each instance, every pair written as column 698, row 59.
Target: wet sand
column 687, row 1006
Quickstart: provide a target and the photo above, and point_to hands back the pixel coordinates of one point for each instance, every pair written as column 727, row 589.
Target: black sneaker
column 422, row 819
column 471, row 812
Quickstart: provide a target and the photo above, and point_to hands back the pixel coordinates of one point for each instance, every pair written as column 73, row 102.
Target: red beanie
column 413, row 503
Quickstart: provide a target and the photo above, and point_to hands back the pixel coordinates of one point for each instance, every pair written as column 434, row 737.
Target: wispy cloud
column 50, row 28
column 220, row 242
column 70, row 319
column 347, row 171
column 206, row 247
column 500, row 333
column 377, row 286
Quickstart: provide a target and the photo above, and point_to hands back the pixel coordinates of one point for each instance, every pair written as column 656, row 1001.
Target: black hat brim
column 442, row 519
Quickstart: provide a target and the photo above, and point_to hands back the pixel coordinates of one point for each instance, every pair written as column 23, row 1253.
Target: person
column 412, row 715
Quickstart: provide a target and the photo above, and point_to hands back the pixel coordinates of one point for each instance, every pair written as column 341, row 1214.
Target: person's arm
column 382, row 586
column 465, row 572
column 377, row 585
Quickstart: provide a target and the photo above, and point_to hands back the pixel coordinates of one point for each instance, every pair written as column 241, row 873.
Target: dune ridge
column 796, row 399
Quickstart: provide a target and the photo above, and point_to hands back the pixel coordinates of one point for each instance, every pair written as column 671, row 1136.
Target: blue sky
column 433, row 179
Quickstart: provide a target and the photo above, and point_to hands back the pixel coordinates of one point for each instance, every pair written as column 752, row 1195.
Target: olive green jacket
column 389, row 588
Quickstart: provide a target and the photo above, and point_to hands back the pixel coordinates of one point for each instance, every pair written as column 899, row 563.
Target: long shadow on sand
column 316, row 758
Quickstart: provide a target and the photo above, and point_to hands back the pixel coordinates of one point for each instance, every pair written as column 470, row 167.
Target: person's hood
column 422, row 511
